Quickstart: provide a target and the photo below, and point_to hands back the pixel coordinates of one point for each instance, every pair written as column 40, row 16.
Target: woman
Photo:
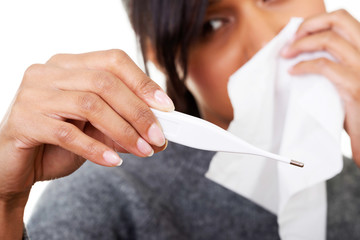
column 89, row 106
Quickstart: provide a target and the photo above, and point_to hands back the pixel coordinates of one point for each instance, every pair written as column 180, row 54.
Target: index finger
column 120, row 64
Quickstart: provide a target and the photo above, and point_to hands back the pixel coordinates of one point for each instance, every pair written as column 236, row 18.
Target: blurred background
column 33, row 31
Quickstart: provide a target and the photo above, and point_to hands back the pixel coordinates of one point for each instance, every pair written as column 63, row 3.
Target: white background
column 33, row 31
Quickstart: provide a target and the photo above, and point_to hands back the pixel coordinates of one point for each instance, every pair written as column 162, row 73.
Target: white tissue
column 298, row 117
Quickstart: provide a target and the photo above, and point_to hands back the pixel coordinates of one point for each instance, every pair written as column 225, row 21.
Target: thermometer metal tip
column 198, row 133
column 296, row 163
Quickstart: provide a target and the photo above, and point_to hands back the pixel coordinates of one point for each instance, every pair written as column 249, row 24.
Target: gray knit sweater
column 168, row 197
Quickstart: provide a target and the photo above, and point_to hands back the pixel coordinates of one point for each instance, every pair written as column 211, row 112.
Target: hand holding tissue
column 300, row 117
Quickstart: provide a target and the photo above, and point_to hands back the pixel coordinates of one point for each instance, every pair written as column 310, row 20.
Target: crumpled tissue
column 300, row 117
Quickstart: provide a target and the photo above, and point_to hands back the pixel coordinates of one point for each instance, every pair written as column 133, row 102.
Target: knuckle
column 340, row 13
column 33, row 70
column 91, row 149
column 117, row 56
column 89, row 102
column 128, row 131
column 142, row 115
column 103, row 82
column 146, row 87
column 55, row 58
column 64, row 134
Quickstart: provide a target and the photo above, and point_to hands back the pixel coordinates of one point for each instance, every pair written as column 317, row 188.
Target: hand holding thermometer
column 198, row 133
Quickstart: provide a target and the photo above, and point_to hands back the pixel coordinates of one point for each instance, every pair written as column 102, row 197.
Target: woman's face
column 234, row 30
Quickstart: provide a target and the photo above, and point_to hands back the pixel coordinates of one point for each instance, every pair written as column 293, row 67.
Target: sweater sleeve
column 92, row 203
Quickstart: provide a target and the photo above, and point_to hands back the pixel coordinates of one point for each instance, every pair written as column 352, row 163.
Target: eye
column 212, row 26
column 266, row 1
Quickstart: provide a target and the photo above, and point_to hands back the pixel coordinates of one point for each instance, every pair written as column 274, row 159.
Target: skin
column 246, row 26
column 234, row 39
column 84, row 106
column 72, row 108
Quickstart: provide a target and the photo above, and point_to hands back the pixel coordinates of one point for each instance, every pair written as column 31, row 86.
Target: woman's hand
column 339, row 34
column 77, row 107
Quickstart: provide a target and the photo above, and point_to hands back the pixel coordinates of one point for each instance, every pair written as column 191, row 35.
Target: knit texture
column 168, row 197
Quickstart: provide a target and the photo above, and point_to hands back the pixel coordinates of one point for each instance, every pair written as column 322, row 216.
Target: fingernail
column 292, row 40
column 156, row 135
column 112, row 158
column 144, row 147
column 163, row 99
column 166, row 144
column 284, row 51
column 291, row 70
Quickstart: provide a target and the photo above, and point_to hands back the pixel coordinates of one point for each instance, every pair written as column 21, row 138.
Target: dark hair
column 171, row 26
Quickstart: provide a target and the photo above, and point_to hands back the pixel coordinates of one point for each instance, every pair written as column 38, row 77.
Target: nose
column 259, row 25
